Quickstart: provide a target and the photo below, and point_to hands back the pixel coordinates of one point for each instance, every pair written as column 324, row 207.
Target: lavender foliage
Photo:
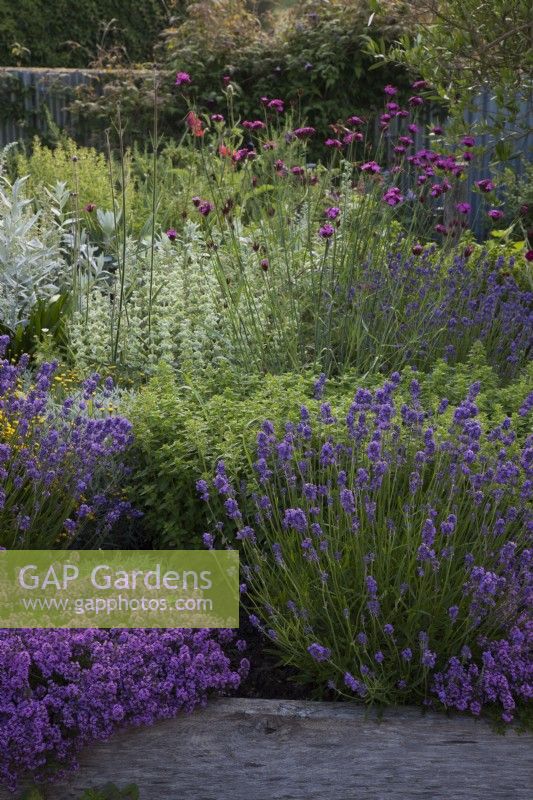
column 395, row 554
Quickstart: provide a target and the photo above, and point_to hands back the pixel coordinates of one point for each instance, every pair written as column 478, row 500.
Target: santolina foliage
column 59, row 463
column 392, row 562
column 61, row 690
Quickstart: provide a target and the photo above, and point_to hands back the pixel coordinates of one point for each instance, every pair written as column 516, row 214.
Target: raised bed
column 241, row 749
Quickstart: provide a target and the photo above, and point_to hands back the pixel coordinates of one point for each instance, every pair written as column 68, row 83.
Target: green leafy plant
column 309, row 54
column 84, row 171
column 464, row 47
column 180, row 430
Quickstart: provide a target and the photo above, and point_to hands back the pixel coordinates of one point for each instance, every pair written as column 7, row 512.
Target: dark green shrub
column 312, row 57
column 66, row 33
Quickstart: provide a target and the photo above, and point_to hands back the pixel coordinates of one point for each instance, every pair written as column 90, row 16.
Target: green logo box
column 119, row 589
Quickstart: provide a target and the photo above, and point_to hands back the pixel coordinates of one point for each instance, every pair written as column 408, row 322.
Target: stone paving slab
column 240, row 749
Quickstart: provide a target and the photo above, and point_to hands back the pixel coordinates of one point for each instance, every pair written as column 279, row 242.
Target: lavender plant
column 389, row 558
column 61, row 690
column 60, row 469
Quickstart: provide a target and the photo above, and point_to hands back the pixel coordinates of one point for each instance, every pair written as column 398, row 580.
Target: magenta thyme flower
column 463, row 208
column 495, row 213
column 390, row 90
column 333, row 212
column 172, row 234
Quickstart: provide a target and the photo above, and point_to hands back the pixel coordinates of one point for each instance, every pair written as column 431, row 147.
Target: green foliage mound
column 181, row 431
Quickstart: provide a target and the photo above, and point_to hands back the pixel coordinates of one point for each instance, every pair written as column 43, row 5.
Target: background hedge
column 45, row 28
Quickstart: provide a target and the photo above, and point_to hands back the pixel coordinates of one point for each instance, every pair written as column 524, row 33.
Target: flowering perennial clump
column 59, row 467
column 60, row 690
column 390, row 558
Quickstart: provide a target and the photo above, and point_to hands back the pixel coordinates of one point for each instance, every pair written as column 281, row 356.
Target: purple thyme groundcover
column 60, row 690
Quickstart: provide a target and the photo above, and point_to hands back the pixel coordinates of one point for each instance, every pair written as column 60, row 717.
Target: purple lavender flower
column 295, row 518
column 354, row 685
column 203, row 490
column 318, row 652
column 347, row 501
column 232, row 509
column 429, row 659
column 208, row 540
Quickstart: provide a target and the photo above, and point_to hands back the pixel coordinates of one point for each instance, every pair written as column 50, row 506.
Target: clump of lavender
column 417, row 307
column 61, row 690
column 59, row 463
column 392, row 561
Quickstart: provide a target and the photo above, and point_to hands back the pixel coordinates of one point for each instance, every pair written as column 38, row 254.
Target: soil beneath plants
column 269, row 679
